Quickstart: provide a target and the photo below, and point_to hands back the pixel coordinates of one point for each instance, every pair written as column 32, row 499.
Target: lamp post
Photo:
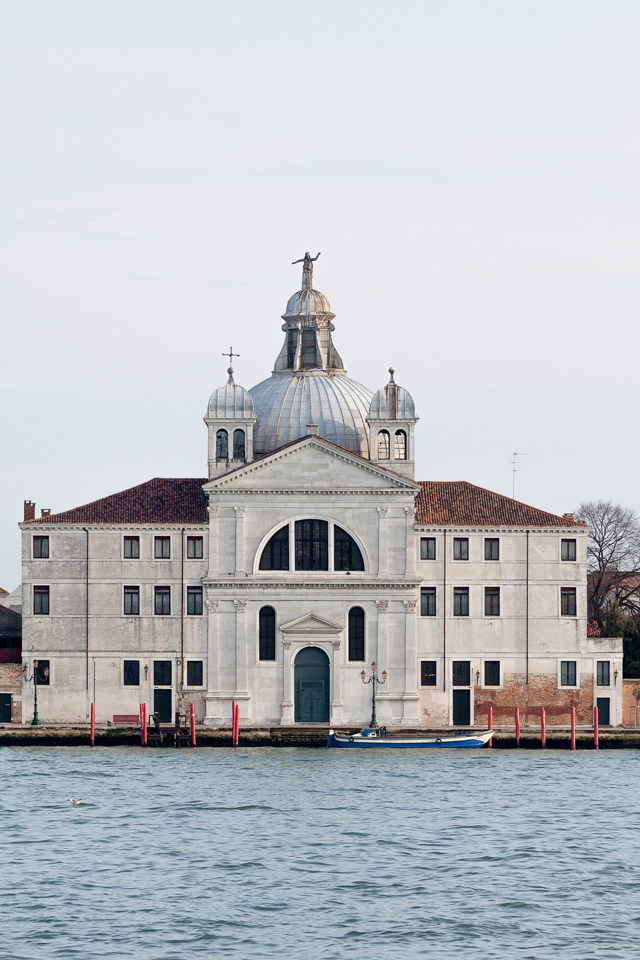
column 25, row 669
column 374, row 680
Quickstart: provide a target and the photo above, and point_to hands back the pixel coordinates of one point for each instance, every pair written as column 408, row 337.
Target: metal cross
column 231, row 354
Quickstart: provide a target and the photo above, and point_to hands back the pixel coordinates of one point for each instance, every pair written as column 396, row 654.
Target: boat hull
column 361, row 741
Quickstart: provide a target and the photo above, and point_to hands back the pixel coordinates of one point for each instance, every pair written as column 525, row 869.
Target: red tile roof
column 159, row 500
column 460, row 503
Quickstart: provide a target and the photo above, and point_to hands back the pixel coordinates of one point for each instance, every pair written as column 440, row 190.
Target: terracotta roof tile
column 460, row 503
column 160, row 500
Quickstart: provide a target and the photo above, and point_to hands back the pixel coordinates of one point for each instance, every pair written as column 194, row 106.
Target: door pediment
column 311, row 625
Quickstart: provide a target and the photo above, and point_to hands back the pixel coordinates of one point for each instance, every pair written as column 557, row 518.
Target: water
column 264, row 853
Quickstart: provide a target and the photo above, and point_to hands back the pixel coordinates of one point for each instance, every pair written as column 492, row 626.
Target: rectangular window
column 42, row 672
column 312, row 545
column 427, row 548
column 40, row 548
column 491, row 548
column 461, row 673
column 461, row 601
column 194, row 673
column 131, row 674
column 567, row 673
column 292, row 346
column 603, row 673
column 492, row 601
column 41, row 601
column 492, row 673
column 194, row 601
column 162, row 548
column 428, row 602
column 162, row 673
column 194, row 548
column 162, row 601
column 568, row 601
column 131, row 601
column 308, row 348
column 568, row 550
column 132, row 548
column 428, row 673
column 460, row 548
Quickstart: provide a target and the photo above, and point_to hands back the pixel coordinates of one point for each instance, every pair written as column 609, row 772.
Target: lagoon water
column 299, row 853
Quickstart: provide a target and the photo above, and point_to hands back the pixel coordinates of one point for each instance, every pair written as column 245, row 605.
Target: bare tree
column 613, row 558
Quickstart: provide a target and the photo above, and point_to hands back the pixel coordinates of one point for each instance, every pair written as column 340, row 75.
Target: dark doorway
column 5, row 708
column 461, row 708
column 311, row 684
column 162, row 705
column 604, row 710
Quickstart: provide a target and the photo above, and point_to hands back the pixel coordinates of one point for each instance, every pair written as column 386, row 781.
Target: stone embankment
column 78, row 735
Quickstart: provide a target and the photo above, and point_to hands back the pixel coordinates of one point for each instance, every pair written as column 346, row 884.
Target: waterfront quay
column 313, row 735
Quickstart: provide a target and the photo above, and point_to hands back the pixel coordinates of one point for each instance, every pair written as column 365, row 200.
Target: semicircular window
column 275, row 555
column 346, row 552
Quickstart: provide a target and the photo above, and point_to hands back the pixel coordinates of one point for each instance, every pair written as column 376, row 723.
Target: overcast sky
column 469, row 171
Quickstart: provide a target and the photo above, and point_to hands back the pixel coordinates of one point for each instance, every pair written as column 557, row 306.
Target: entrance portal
column 311, row 686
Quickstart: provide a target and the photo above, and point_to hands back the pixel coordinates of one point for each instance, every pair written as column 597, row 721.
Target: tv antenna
column 514, row 469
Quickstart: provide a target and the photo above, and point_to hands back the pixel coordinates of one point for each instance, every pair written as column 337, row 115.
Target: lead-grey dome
column 392, row 402
column 286, row 405
column 308, row 303
column 230, row 402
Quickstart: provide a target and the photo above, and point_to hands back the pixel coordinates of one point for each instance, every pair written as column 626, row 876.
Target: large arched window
column 311, row 548
column 384, row 445
column 346, row 552
column 400, row 445
column 275, row 555
column 222, row 445
column 356, row 633
column 238, row 445
column 267, row 633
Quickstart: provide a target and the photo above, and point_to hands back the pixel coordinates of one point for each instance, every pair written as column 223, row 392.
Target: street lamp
column 374, row 680
column 25, row 669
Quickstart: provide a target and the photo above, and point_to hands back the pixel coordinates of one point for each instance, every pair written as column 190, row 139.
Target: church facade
column 307, row 553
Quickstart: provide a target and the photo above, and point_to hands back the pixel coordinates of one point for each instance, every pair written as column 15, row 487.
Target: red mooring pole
column 490, row 725
column 573, row 728
column 93, row 724
column 517, row 726
column 543, row 727
column 143, row 724
column 237, row 724
column 596, row 730
column 233, row 723
column 193, row 726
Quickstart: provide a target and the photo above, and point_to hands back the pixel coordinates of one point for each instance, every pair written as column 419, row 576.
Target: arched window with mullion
column 238, row 445
column 356, row 633
column 346, row 552
column 400, row 445
column 275, row 555
column 222, row 445
column 312, row 545
column 267, row 633
column 384, row 445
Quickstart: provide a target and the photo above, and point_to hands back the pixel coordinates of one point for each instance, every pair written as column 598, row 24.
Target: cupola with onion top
column 230, row 419
column 392, row 419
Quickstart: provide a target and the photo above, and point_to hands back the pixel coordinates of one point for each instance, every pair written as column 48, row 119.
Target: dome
column 286, row 405
column 307, row 303
column 392, row 402
column 230, row 402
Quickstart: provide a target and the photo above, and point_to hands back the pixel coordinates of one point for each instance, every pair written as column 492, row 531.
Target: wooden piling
column 143, row 724
column 237, row 725
column 93, row 724
column 517, row 726
column 193, row 726
column 490, row 725
column 596, row 730
column 543, row 727
column 573, row 728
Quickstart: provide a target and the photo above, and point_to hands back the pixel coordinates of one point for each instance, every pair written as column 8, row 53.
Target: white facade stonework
column 282, row 575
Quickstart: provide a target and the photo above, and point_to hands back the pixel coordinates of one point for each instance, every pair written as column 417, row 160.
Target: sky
column 469, row 172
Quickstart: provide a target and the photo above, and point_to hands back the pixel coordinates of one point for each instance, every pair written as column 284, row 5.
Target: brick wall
column 631, row 705
column 542, row 692
column 10, row 683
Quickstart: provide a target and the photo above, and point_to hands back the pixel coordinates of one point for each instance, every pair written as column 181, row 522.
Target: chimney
column 312, row 429
column 29, row 510
column 568, row 516
column 45, row 512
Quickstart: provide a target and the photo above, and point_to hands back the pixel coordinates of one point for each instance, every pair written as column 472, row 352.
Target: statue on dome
column 307, row 270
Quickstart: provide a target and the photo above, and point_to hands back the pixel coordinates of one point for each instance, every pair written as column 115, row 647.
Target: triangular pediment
column 312, row 625
column 312, row 463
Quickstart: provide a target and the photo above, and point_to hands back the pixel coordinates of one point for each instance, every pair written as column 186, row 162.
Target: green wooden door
column 461, row 708
column 604, row 710
column 5, row 708
column 311, row 683
column 162, row 705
